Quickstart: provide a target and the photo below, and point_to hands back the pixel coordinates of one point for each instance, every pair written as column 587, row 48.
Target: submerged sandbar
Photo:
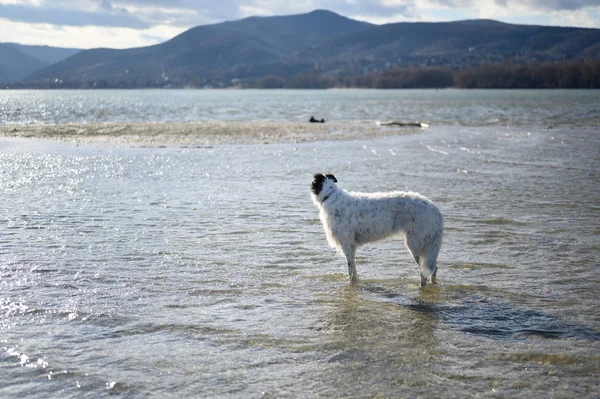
column 202, row 133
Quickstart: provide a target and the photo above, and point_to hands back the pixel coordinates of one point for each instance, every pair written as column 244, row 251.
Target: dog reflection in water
column 354, row 219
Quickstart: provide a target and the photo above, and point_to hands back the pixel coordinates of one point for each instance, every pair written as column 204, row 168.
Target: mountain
column 15, row 65
column 475, row 39
column 17, row 60
column 255, row 44
column 46, row 54
column 320, row 42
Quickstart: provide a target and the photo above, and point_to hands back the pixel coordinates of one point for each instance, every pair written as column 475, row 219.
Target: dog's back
column 382, row 215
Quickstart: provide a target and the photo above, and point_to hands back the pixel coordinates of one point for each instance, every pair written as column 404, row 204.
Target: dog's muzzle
column 317, row 184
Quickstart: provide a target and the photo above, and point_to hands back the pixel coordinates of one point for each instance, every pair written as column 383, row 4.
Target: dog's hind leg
column 428, row 268
column 426, row 256
column 425, row 264
column 349, row 253
column 420, row 259
column 430, row 259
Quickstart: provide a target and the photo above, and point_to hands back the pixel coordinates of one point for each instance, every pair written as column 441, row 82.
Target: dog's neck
column 331, row 195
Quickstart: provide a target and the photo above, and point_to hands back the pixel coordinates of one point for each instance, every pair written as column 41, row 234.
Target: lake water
column 204, row 272
column 440, row 107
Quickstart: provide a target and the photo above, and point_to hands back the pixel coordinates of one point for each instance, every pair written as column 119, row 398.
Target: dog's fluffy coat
column 353, row 219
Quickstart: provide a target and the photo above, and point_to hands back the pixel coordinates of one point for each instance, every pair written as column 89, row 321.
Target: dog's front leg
column 349, row 252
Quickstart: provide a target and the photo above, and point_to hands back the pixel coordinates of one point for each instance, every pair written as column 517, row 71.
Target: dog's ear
column 319, row 177
column 332, row 177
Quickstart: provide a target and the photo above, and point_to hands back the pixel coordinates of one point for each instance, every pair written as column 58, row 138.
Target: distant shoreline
column 570, row 74
column 190, row 134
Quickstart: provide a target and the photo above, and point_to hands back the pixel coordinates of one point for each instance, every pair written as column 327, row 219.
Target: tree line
column 507, row 75
column 583, row 74
column 539, row 75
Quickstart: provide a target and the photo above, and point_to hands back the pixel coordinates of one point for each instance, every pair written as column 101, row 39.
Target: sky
column 136, row 23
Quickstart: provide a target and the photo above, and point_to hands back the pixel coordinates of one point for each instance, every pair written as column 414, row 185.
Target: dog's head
column 322, row 186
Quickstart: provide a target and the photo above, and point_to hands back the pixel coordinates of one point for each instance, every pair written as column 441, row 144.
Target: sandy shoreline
column 203, row 133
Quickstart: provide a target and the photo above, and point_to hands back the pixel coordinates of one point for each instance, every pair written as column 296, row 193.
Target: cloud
column 574, row 18
column 141, row 14
column 106, row 5
column 128, row 23
column 364, row 8
column 558, row 5
column 196, row 12
column 184, row 12
column 84, row 36
column 70, row 17
column 582, row 13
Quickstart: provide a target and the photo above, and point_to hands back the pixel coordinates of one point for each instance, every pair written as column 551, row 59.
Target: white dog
column 353, row 219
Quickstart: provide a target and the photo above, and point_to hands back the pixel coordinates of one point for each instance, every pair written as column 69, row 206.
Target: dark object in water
column 403, row 124
column 313, row 120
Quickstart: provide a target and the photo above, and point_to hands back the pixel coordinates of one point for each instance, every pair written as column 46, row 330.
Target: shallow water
column 436, row 107
column 205, row 272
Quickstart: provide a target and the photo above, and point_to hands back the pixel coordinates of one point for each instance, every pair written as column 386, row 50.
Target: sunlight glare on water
column 178, row 272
